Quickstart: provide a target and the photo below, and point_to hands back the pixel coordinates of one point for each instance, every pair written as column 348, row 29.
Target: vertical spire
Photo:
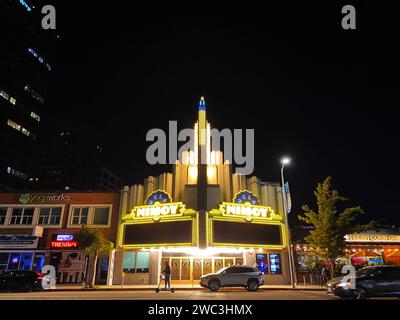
column 202, row 122
column 202, row 104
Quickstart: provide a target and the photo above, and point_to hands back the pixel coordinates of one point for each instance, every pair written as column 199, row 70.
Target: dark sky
column 325, row 96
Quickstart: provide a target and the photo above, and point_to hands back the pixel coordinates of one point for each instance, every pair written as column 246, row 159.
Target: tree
column 94, row 243
column 330, row 225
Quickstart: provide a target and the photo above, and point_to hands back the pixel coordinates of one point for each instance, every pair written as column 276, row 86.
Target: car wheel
column 359, row 294
column 252, row 285
column 214, row 285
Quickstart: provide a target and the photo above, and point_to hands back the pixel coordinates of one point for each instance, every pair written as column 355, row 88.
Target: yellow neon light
column 156, row 211
column 246, row 211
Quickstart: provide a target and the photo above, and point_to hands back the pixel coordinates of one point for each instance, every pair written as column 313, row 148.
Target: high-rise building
column 70, row 160
column 25, row 70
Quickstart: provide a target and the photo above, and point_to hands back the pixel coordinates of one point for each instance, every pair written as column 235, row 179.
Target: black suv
column 21, row 280
column 383, row 281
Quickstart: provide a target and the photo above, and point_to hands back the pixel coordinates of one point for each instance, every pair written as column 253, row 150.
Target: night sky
column 325, row 96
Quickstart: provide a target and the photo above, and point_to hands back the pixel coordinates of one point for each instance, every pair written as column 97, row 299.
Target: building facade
column 61, row 215
column 200, row 218
column 25, row 70
column 58, row 163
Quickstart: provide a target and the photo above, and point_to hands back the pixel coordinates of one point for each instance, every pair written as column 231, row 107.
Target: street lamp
column 285, row 161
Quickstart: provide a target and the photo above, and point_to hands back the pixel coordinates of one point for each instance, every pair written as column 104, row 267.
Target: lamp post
column 285, row 161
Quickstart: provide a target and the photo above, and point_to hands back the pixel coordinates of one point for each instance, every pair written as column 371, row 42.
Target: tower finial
column 202, row 104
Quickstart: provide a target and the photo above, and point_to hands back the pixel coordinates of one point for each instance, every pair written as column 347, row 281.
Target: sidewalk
column 64, row 287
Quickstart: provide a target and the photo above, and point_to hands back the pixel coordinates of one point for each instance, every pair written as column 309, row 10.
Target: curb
column 184, row 289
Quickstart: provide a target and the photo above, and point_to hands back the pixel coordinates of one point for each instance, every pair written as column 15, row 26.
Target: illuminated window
column 275, row 263
column 26, row 6
column 17, row 173
column 34, row 94
column 50, row 216
column 212, row 176
column 40, row 59
column 13, row 101
column 136, row 262
column 22, row 216
column 14, row 125
column 192, row 175
column 129, row 262
column 26, row 132
column 4, row 94
column 35, row 116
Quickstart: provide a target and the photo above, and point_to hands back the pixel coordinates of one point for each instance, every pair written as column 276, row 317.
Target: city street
column 177, row 295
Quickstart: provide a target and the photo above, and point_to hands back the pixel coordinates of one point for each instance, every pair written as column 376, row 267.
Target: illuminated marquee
column 158, row 210
column 372, row 238
column 246, row 210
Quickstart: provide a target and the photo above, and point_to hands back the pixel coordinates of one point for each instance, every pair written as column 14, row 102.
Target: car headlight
column 344, row 284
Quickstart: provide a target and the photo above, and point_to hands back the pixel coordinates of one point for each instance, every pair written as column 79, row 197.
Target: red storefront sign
column 64, row 244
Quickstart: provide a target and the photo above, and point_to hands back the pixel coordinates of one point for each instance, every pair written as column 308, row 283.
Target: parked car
column 235, row 276
column 21, row 280
column 382, row 281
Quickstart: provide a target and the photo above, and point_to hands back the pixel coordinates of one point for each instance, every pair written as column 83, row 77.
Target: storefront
column 162, row 220
column 375, row 247
column 60, row 216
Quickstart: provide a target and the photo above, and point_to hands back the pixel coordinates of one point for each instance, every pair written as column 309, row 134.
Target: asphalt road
column 177, row 295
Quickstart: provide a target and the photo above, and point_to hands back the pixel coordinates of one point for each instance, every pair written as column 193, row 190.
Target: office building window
column 13, row 101
column 50, row 216
column 14, row 125
column 3, row 215
column 80, row 216
column 35, row 116
column 22, row 216
column 26, row 132
column 41, row 60
column 17, row 173
column 101, row 216
column 4, row 94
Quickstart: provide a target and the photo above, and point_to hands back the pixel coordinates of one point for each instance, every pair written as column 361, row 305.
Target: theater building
column 38, row 228
column 200, row 218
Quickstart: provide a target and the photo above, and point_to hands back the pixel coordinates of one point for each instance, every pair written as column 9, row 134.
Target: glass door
column 218, row 264
column 197, row 266
column 175, row 269
column 229, row 262
column 185, row 269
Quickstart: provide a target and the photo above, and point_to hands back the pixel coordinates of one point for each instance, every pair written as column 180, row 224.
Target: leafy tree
column 330, row 225
column 94, row 243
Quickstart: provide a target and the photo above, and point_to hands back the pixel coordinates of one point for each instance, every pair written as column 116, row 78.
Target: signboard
column 65, row 237
column 158, row 210
column 288, row 198
column 62, row 241
column 35, row 198
column 37, row 231
column 18, row 241
column 246, row 211
column 372, row 238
